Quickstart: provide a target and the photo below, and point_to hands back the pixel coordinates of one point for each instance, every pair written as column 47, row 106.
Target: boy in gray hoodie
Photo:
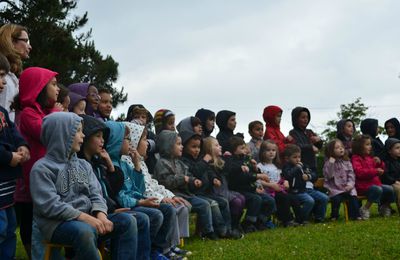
column 68, row 205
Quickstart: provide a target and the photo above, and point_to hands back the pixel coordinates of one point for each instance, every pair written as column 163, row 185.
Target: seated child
column 345, row 130
column 91, row 94
column 164, row 119
column 392, row 127
column 368, row 170
column 272, row 116
column 226, row 121
column 391, row 176
column 63, row 97
column 190, row 124
column 77, row 104
column 340, row 179
column 256, row 131
column 207, row 118
column 242, row 177
column 175, row 176
column 67, row 203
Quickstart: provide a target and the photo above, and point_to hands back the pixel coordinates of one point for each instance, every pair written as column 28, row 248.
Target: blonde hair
column 9, row 33
column 217, row 161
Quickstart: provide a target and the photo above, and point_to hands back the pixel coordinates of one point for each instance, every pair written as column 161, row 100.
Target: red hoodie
column 272, row 129
column 366, row 172
column 31, row 83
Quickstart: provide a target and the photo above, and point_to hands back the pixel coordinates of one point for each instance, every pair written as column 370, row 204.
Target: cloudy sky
column 245, row 55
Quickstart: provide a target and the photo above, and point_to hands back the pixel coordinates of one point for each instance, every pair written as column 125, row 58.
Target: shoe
column 385, row 211
column 236, row 234
column 260, row 225
column 180, row 251
column 211, row 236
column 158, row 256
column 269, row 224
column 290, row 224
column 248, row 226
column 364, row 213
column 173, row 256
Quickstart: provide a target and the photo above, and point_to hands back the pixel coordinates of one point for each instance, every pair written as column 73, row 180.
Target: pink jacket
column 366, row 172
column 338, row 175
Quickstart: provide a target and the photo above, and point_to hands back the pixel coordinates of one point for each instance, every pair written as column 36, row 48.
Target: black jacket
column 369, row 127
column 237, row 179
column 392, row 171
column 294, row 175
column 198, row 168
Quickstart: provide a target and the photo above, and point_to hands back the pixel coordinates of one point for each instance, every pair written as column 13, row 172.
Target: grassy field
column 377, row 238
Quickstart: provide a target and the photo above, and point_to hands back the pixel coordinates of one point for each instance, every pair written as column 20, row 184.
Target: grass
column 376, row 238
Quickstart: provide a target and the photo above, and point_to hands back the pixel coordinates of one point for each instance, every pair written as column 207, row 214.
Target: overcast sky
column 245, row 55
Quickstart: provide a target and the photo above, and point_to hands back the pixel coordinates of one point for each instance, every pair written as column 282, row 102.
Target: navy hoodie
column 369, row 127
column 224, row 132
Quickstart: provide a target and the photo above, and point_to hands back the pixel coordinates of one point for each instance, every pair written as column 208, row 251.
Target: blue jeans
column 380, row 194
column 353, row 205
column 321, row 201
column 259, row 206
column 203, row 211
column 8, row 240
column 84, row 238
column 143, row 227
column 219, row 223
column 304, row 205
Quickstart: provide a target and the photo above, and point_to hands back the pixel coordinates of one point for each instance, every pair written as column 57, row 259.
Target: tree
column 57, row 45
column 355, row 111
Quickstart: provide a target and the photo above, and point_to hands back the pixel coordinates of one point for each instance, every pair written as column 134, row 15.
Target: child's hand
column 120, row 210
column 94, row 222
column 106, row 157
column 108, row 225
column 58, row 106
column 315, row 149
column 258, row 144
column 25, row 153
column 348, row 188
column 289, row 139
column 207, row 158
column 286, row 184
column 182, row 201
column 305, row 177
column 217, row 182
column 377, row 160
column 260, row 190
column 168, row 201
column 332, row 160
column 149, row 202
column 263, row 177
column 245, row 169
column 197, row 183
column 227, row 154
column 315, row 139
column 300, row 165
column 275, row 186
column 253, row 163
column 16, row 159
column 380, row 171
column 187, row 179
column 135, row 159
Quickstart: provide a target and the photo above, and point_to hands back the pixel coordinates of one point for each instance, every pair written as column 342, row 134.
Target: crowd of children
column 89, row 179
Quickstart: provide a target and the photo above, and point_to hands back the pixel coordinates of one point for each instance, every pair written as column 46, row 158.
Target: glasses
column 94, row 95
column 23, row 39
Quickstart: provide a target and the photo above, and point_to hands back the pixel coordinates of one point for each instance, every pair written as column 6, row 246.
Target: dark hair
column 103, row 90
column 357, row 146
column 235, row 142
column 330, row 150
column 253, row 124
column 291, row 149
column 4, row 64
column 263, row 149
column 42, row 98
column 64, row 92
column 195, row 121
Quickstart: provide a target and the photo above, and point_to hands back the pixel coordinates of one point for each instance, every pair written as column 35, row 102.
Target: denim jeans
column 380, row 194
column 84, row 238
column 218, row 221
column 321, row 201
column 259, row 206
column 353, row 205
column 8, row 240
column 305, row 204
column 203, row 210
column 144, row 241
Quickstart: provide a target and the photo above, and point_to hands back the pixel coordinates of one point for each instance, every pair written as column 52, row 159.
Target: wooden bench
column 50, row 246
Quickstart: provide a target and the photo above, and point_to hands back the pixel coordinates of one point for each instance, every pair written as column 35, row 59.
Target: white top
column 10, row 91
column 274, row 174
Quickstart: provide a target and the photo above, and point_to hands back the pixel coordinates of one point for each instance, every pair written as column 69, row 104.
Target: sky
column 245, row 55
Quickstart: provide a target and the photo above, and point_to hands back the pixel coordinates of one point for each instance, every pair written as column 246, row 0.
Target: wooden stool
column 49, row 247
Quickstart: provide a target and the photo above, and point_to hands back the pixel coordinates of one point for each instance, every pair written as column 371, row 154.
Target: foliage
column 58, row 45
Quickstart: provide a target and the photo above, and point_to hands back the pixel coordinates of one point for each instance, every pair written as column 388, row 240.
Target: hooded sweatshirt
column 346, row 140
column 133, row 188
column 170, row 171
column 32, row 81
column 62, row 185
column 82, row 89
column 396, row 125
column 75, row 98
column 272, row 129
column 302, row 139
column 204, row 115
column 224, row 132
column 392, row 170
column 369, row 127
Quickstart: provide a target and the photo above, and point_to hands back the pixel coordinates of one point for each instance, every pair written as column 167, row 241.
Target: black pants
column 24, row 212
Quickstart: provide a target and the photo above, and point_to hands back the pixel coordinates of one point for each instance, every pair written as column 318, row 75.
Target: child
column 190, row 124
column 63, row 97
column 198, row 167
column 297, row 175
column 272, row 116
column 139, row 144
column 340, row 179
column 369, row 127
column 77, row 104
column 242, row 178
column 256, row 132
column 67, row 201
column 391, row 176
column 368, row 170
column 161, row 215
column 392, row 127
column 91, row 94
column 309, row 144
column 174, row 175
column 276, row 187
column 105, row 104
column 164, row 119
column 345, row 130
column 217, row 175
column 226, row 121
column 13, row 152
column 207, row 118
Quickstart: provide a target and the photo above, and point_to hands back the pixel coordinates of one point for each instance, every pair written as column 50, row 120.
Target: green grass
column 377, row 238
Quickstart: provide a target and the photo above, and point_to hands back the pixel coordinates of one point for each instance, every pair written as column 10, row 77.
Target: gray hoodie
column 62, row 186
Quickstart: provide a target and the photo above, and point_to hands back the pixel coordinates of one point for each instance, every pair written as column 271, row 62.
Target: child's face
column 52, row 90
column 348, row 129
column 395, row 151
column 231, row 124
column 142, row 146
column 2, row 80
column 95, row 144
column 177, row 148
column 367, row 147
column 65, row 103
column 257, row 132
column 80, row 107
column 126, row 145
column 105, row 105
column 338, row 150
column 198, row 129
column 390, row 129
column 210, row 124
column 93, row 97
column 271, row 152
column 193, row 147
column 78, row 139
column 294, row 158
column 302, row 120
column 142, row 117
column 216, row 148
column 241, row 150
column 278, row 118
column 170, row 124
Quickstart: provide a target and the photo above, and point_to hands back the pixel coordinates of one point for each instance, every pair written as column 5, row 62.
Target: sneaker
column 364, row 213
column 158, row 256
column 248, row 226
column 236, row 234
column 290, row 224
column 260, row 225
column 269, row 224
column 180, row 251
column 385, row 211
column 211, row 236
column 172, row 256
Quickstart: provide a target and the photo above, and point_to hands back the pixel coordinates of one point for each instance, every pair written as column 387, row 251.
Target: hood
column 165, row 142
column 396, row 124
column 93, row 125
column 390, row 142
column 269, row 115
column 135, row 131
column 296, row 113
column 185, row 125
column 115, row 139
column 186, row 135
column 369, row 127
column 80, row 88
column 204, row 114
column 75, row 98
column 222, row 119
column 340, row 128
column 129, row 117
column 31, row 83
column 57, row 135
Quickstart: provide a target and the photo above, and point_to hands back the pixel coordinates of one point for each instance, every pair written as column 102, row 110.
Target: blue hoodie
column 134, row 186
column 62, row 185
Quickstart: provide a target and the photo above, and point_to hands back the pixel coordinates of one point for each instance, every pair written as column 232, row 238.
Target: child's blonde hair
column 330, row 150
column 217, row 161
column 263, row 150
